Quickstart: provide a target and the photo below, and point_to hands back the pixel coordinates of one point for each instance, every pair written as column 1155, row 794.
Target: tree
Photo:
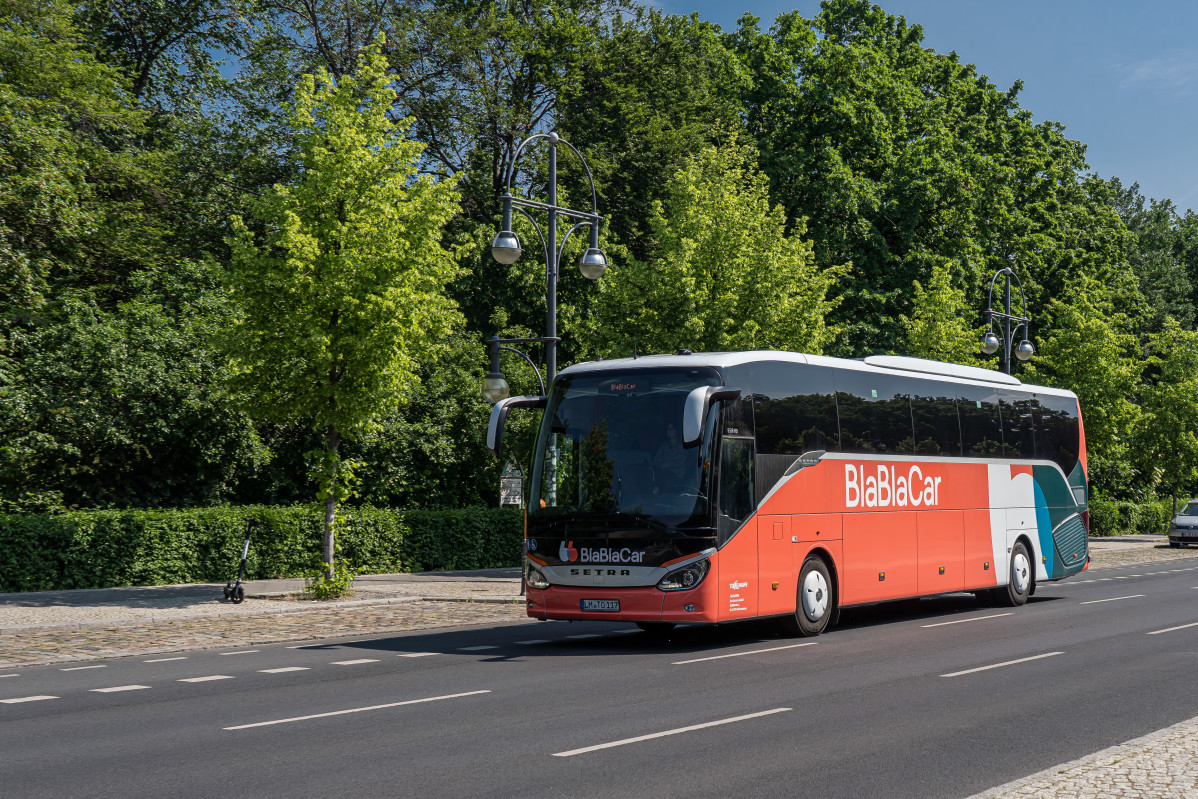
column 724, row 272
column 938, row 327
column 1167, row 434
column 341, row 294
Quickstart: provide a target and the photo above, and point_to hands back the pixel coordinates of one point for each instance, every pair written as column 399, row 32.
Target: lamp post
column 991, row 342
column 506, row 249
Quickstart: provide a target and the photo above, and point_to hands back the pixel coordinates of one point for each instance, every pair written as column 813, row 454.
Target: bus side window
column 934, row 413
column 736, row 485
column 1056, row 428
column 1018, row 423
column 875, row 413
column 981, row 426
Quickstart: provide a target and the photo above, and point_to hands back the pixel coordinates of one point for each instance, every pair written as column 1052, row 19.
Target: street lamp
column 991, row 342
column 506, row 249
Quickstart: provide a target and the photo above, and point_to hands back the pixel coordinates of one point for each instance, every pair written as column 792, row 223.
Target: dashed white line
column 417, row 654
column 1112, row 599
column 1171, row 629
column 739, row 654
column 163, row 660
column 206, row 679
column 533, row 641
column 117, row 688
column 962, row 621
column 1000, row 665
column 585, row 635
column 241, row 652
column 2, row 676
column 353, row 662
column 20, row 699
column 475, row 648
column 355, row 710
column 663, row 734
column 83, row 668
column 284, row 669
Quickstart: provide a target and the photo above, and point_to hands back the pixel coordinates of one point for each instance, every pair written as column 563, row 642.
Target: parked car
column 1183, row 529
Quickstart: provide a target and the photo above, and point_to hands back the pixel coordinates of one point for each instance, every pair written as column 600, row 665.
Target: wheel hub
column 815, row 596
column 1020, row 572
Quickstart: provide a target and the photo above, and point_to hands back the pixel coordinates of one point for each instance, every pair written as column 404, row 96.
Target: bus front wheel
column 815, row 606
column 1019, row 586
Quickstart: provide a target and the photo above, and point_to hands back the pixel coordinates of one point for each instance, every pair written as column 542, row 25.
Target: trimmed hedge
column 102, row 548
column 1121, row 517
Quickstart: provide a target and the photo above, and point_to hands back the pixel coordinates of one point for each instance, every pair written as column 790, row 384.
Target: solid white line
column 116, row 688
column 1112, row 599
column 962, row 621
column 25, row 699
column 534, row 641
column 285, row 668
column 83, row 668
column 354, row 662
column 1000, row 665
column 475, row 648
column 354, row 710
column 417, row 654
column 739, row 654
column 206, row 679
column 651, row 736
column 242, row 652
column 1171, row 629
column 163, row 660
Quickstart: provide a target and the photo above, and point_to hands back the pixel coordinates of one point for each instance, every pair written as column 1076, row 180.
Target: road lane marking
column 475, row 648
column 355, row 710
column 417, row 654
column 1171, row 629
column 242, row 652
column 1112, row 599
column 585, row 635
column 206, row 679
column 116, row 688
column 962, row 621
column 677, row 731
column 739, row 654
column 20, row 699
column 163, row 660
column 1000, row 665
column 82, row 668
column 2, row 676
column 533, row 641
column 353, row 662
column 285, row 668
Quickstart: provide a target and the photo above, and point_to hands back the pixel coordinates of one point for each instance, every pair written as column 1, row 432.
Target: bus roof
column 878, row 364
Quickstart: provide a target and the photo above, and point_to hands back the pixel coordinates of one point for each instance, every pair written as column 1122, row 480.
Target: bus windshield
column 610, row 447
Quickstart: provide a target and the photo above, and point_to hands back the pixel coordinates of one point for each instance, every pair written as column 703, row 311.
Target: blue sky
column 1122, row 77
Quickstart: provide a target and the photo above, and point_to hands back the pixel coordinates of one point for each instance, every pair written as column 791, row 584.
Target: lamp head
column 505, row 247
column 593, row 263
column 990, row 343
column 495, row 387
column 1025, row 350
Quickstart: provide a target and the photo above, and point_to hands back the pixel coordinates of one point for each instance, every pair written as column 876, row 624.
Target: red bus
column 716, row 487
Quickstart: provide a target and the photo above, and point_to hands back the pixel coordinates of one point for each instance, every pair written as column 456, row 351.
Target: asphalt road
column 929, row 698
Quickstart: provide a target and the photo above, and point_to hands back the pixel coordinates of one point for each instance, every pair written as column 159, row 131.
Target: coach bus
column 709, row 488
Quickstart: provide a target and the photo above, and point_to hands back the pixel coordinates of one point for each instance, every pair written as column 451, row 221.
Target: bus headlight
column 685, row 578
column 534, row 579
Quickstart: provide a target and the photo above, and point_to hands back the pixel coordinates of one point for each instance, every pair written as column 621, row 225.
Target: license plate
column 608, row 605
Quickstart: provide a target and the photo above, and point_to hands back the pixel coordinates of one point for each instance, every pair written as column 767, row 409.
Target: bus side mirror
column 698, row 402
column 499, row 418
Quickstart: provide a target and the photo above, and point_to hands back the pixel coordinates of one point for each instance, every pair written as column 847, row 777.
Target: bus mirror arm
column 698, row 402
column 499, row 418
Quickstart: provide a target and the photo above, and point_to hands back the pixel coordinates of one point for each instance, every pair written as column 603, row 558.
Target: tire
column 238, row 595
column 815, row 603
column 1174, row 544
column 657, row 629
column 1019, row 584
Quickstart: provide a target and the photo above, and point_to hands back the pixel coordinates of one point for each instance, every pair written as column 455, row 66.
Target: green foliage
column 1167, row 429
column 330, row 584
column 1125, row 517
column 724, row 273
column 95, row 549
column 938, row 328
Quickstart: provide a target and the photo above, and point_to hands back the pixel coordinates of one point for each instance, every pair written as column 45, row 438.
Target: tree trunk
column 333, row 443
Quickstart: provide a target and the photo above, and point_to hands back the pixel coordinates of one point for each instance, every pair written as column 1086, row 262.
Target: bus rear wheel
column 815, row 605
column 1019, row 586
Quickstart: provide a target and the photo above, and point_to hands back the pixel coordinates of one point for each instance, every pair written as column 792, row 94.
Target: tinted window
column 795, row 408
column 1019, row 423
column 736, row 485
column 875, row 413
column 934, row 415
column 981, row 425
column 1058, row 431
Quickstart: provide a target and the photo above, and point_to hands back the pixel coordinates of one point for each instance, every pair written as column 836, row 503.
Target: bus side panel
column 880, row 557
column 941, row 551
column 736, row 575
column 979, row 550
column 776, row 576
